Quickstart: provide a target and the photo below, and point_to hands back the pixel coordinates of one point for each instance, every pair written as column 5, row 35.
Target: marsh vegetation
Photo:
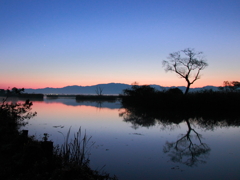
column 25, row 157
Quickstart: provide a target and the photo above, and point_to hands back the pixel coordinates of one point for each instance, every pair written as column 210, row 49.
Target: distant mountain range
column 111, row 88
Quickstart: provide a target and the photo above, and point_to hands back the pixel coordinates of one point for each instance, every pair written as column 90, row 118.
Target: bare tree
column 187, row 66
column 99, row 91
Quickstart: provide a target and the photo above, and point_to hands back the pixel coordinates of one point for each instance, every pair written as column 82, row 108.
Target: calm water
column 133, row 150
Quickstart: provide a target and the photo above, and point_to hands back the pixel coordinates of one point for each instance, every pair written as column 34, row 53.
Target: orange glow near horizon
column 164, row 83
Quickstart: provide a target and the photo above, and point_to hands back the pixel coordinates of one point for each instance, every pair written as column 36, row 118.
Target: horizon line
column 117, row 83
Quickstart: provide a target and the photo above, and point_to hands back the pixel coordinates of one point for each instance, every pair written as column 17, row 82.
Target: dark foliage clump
column 173, row 100
column 148, row 97
column 23, row 157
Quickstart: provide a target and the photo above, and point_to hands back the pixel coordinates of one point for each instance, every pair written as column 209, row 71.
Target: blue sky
column 55, row 43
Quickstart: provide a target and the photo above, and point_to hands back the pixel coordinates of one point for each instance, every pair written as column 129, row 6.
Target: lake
column 138, row 148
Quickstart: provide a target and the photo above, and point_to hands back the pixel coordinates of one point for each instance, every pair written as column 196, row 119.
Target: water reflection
column 189, row 148
column 137, row 152
column 140, row 117
column 146, row 118
column 114, row 104
column 72, row 101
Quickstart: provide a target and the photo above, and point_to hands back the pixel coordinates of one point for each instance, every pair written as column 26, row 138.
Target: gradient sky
column 56, row 43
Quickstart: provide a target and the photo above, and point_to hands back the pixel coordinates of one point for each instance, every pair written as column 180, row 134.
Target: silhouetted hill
column 111, row 88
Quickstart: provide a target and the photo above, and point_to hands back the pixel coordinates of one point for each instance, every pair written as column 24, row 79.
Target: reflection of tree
column 206, row 120
column 209, row 110
column 146, row 118
column 188, row 150
column 99, row 104
column 213, row 123
column 137, row 120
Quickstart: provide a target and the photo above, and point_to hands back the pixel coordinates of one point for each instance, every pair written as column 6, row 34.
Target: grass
column 75, row 151
column 23, row 157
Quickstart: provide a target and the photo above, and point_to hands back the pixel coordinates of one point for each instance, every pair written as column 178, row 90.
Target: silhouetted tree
column 139, row 91
column 230, row 86
column 2, row 92
column 187, row 65
column 174, row 91
column 99, row 91
column 135, row 83
column 12, row 115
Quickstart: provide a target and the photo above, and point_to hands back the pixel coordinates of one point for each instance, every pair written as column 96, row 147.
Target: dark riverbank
column 24, row 96
column 145, row 106
column 98, row 97
column 60, row 96
column 23, row 157
column 174, row 100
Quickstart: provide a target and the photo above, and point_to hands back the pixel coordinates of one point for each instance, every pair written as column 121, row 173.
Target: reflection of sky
column 74, row 102
column 137, row 154
column 60, row 43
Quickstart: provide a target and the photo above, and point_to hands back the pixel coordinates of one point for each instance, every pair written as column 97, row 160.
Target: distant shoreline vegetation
column 25, row 95
column 173, row 100
column 98, row 97
column 107, row 89
column 18, row 93
column 60, row 95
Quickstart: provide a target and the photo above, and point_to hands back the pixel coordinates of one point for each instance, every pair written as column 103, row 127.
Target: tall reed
column 75, row 151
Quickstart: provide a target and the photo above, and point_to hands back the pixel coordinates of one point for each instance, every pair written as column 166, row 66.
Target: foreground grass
column 23, row 157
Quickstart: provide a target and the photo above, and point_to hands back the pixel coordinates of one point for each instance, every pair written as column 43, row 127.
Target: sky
column 57, row 43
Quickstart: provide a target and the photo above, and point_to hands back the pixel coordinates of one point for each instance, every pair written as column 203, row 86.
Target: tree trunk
column 188, row 87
